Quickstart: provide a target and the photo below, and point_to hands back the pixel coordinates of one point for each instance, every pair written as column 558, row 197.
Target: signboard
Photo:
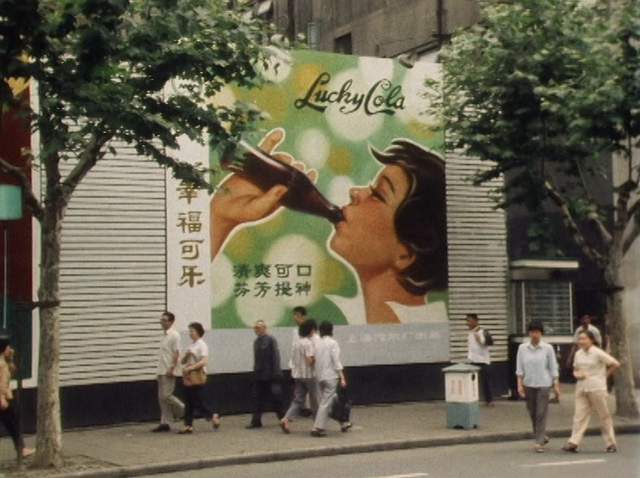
column 356, row 127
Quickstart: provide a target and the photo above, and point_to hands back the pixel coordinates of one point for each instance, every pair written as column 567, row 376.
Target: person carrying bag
column 194, row 377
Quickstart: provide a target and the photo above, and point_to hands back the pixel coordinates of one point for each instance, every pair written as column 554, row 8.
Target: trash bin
column 461, row 395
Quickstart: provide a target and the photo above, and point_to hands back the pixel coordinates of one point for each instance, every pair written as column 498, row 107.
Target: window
column 546, row 301
column 343, row 44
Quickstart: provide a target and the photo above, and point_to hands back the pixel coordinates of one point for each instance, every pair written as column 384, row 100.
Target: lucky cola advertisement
column 345, row 214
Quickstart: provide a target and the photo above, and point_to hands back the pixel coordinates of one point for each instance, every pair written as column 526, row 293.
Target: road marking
column 565, row 463
column 410, row 475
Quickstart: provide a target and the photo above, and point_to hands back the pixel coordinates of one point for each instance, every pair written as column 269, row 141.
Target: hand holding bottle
column 240, row 201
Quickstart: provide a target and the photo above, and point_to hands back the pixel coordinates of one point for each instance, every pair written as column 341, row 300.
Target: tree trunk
column 626, row 405
column 49, row 429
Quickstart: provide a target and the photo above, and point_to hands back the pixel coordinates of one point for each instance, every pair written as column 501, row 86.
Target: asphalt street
column 474, row 461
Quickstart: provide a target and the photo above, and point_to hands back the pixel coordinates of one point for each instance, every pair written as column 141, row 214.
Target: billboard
column 345, row 145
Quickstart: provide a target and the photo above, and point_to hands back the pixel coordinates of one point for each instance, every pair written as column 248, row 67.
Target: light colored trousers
column 303, row 386
column 538, row 405
column 170, row 407
column 586, row 404
column 328, row 395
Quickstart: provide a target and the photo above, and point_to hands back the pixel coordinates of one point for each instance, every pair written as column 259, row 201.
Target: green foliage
column 542, row 241
column 543, row 89
column 102, row 68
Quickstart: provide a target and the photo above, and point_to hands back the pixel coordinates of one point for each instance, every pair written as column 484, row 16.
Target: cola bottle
column 265, row 172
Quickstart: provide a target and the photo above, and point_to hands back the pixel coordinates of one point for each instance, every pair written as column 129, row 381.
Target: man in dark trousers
column 267, row 383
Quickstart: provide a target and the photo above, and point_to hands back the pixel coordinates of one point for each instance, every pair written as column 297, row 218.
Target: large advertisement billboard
column 345, row 145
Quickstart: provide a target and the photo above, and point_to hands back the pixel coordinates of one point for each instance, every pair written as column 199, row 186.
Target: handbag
column 194, row 378
column 341, row 409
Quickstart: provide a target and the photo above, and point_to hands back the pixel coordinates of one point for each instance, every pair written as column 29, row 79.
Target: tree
column 100, row 68
column 547, row 92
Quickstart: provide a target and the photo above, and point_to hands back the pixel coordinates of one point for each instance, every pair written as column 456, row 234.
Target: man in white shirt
column 329, row 374
column 479, row 355
column 170, row 407
column 299, row 317
column 302, row 371
column 585, row 324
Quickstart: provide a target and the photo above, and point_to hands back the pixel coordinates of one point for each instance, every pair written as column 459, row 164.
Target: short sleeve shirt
column 169, row 345
column 302, row 350
column 199, row 349
column 593, row 364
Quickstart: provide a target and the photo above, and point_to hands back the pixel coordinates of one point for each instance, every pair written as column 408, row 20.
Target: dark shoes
column 251, row 426
column 344, row 427
column 161, row 428
column 318, row 433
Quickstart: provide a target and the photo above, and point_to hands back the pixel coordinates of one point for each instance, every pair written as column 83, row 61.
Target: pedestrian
column 194, row 375
column 537, row 372
column 479, row 356
column 591, row 367
column 171, row 408
column 585, row 324
column 8, row 410
column 267, row 383
column 329, row 374
column 302, row 371
column 299, row 316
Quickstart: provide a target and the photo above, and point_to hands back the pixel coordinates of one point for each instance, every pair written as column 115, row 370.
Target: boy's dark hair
column 326, row 328
column 305, row 328
column 4, row 343
column 314, row 324
column 536, row 325
column 300, row 310
column 170, row 316
column 473, row 316
column 197, row 326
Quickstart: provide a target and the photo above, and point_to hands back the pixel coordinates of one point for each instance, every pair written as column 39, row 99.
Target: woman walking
column 194, row 377
column 8, row 409
column 537, row 372
column 592, row 366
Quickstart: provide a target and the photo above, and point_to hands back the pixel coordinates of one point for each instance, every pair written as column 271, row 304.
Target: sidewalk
column 132, row 450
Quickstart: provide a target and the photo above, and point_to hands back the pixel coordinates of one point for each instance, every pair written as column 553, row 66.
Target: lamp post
column 10, row 209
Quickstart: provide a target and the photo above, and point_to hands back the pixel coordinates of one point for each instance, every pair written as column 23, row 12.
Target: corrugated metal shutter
column 478, row 261
column 113, row 275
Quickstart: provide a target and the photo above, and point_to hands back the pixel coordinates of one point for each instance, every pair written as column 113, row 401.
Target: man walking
column 479, row 355
column 302, row 371
column 170, row 407
column 329, row 373
column 267, row 375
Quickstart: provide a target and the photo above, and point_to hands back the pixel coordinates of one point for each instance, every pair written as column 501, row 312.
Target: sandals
column 215, row 421
column 186, row 431
column 570, row 447
column 611, row 449
column 284, row 426
column 539, row 449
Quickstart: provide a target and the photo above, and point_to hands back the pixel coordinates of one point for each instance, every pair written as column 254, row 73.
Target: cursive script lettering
column 382, row 97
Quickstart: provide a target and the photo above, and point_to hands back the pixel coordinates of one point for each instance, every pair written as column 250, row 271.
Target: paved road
column 474, row 461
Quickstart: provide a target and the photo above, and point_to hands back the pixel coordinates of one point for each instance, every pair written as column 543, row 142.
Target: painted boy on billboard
column 355, row 133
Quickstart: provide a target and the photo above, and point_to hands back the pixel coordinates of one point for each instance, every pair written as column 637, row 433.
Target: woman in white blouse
column 195, row 358
column 592, row 366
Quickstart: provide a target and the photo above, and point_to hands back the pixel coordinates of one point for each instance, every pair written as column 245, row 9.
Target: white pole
column 6, row 275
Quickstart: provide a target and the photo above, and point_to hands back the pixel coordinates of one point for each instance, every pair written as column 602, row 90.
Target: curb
column 268, row 457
